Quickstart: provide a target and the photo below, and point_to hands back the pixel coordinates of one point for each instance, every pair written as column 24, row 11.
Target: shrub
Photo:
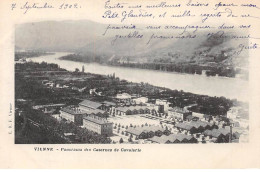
column 121, row 140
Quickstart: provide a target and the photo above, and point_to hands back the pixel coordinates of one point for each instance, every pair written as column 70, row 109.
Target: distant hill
column 85, row 37
column 56, row 35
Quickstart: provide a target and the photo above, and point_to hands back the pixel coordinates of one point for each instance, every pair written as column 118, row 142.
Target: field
column 134, row 120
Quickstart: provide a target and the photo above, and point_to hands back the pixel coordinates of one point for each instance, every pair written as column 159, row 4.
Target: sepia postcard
column 130, row 84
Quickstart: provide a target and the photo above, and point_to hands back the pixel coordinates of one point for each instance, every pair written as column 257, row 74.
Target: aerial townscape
column 77, row 82
column 57, row 106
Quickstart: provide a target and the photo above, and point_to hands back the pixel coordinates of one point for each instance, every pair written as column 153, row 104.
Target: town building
column 163, row 104
column 73, row 114
column 199, row 115
column 152, row 106
column 89, row 105
column 179, row 113
column 141, row 100
column 240, row 115
column 221, row 135
column 145, row 131
column 97, row 112
column 124, row 97
column 132, row 110
column 173, row 138
column 108, row 106
column 98, row 124
column 192, row 118
column 195, row 126
column 49, row 109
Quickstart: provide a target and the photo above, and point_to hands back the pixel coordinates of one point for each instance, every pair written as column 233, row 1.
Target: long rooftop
column 73, row 110
column 90, row 104
column 97, row 120
column 172, row 138
column 139, row 130
column 125, row 108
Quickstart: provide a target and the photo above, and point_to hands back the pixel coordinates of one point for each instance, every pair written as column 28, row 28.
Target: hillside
column 85, row 38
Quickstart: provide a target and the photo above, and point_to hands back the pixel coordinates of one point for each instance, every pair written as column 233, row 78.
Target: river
column 198, row 84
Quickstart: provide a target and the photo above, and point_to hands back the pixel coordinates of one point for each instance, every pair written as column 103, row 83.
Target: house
column 186, row 127
column 222, row 135
column 199, row 115
column 179, row 113
column 173, row 138
column 192, row 118
column 98, row 124
column 132, row 110
column 234, row 111
column 124, row 97
column 49, row 108
column 141, row 100
column 239, row 115
column 123, row 111
column 152, row 107
column 207, row 117
column 107, row 106
column 145, row 131
column 163, row 104
column 73, row 114
column 89, row 105
column 195, row 126
column 97, row 112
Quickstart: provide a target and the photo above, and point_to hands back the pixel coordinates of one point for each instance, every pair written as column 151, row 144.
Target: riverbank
column 233, row 88
column 214, row 70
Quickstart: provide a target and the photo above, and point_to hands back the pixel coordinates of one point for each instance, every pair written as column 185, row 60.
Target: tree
column 130, row 139
column 76, row 69
column 203, row 140
column 121, row 140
